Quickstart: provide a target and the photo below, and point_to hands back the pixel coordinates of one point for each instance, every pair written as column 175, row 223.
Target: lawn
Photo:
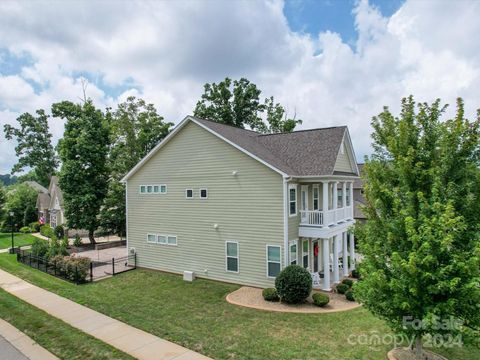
column 54, row 335
column 19, row 239
column 197, row 316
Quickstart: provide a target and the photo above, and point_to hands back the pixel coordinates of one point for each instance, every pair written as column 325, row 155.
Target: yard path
column 126, row 338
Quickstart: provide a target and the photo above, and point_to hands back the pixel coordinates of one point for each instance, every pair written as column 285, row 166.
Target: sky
column 330, row 62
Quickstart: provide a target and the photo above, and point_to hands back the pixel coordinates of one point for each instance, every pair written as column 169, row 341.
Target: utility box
column 188, row 276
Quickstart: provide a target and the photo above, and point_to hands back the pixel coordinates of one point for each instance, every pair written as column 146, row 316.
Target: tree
column 83, row 152
column 241, row 106
column 21, row 199
column 136, row 128
column 2, row 201
column 34, row 145
column 420, row 243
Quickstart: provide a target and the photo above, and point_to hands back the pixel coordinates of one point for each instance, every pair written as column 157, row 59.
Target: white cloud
column 169, row 49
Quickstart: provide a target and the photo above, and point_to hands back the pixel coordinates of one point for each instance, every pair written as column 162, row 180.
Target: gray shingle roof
column 43, row 201
column 358, row 183
column 299, row 153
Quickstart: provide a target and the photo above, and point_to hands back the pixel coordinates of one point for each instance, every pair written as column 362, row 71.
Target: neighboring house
column 358, row 196
column 234, row 205
column 50, row 204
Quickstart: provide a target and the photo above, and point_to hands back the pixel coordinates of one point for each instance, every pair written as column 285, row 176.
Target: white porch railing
column 325, row 218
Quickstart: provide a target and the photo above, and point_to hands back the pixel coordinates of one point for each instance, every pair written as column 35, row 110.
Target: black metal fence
column 78, row 272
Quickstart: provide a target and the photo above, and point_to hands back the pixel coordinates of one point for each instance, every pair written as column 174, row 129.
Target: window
column 151, row 238
column 143, row 189
column 293, row 253
column 292, row 191
column 163, row 189
column 347, row 196
column 189, row 193
column 171, row 240
column 156, row 189
column 162, row 239
column 232, row 256
column 273, row 260
column 340, row 197
column 315, row 197
column 305, row 253
column 149, row 188
column 153, row 189
column 203, row 193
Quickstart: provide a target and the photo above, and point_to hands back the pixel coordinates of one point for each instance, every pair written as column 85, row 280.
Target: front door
column 304, row 202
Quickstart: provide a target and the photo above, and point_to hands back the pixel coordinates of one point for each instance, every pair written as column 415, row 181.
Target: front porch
column 328, row 260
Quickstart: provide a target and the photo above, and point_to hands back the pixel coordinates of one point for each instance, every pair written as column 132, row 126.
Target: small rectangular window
column 273, row 260
column 293, row 199
column 339, row 197
column 315, row 198
column 305, row 253
column 293, row 254
column 171, row 240
column 156, row 189
column 142, row 189
column 149, row 188
column 232, row 256
column 151, row 238
column 189, row 193
column 203, row 193
column 162, row 239
column 163, row 189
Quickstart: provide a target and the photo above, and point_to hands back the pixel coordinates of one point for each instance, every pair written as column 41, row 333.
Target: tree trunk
column 418, row 347
column 90, row 237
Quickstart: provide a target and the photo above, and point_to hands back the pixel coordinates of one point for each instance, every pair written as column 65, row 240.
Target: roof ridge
column 304, row 130
column 233, row 126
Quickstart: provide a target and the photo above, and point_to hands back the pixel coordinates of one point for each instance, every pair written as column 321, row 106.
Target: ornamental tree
column 420, row 243
column 84, row 173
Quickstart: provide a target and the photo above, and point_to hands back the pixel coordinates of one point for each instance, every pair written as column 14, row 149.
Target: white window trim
column 153, row 186
column 166, row 238
column 294, row 242
column 200, row 193
column 176, row 240
column 279, row 262
column 152, row 242
column 306, row 253
column 233, row 257
column 313, row 197
column 293, row 186
column 186, row 191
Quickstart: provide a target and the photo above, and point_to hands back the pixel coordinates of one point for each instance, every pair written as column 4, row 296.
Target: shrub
column 348, row 282
column 349, row 295
column 64, row 242
column 355, row 274
column 72, row 267
column 320, row 299
column 25, row 230
column 77, row 241
column 294, row 284
column 47, row 231
column 59, row 231
column 342, row 288
column 35, row 226
column 270, row 294
column 39, row 248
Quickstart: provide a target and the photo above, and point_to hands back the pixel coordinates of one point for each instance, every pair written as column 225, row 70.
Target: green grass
column 54, row 335
column 197, row 316
column 19, row 240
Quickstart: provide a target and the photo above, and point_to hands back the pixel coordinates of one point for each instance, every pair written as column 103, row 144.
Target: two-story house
column 234, row 205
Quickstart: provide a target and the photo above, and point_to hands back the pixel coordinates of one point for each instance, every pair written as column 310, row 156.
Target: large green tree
column 136, row 128
column 34, row 145
column 2, row 202
column 238, row 103
column 420, row 243
column 21, row 199
column 84, row 172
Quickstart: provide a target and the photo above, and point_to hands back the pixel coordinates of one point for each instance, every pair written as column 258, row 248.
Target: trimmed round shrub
column 59, row 231
column 25, row 230
column 320, row 299
column 270, row 294
column 342, row 288
column 293, row 284
column 348, row 282
column 355, row 274
column 349, row 295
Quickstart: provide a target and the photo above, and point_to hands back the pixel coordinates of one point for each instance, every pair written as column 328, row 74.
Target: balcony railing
column 325, row 218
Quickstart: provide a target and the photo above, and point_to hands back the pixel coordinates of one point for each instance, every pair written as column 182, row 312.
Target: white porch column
column 352, row 252
column 345, row 254
column 352, row 202
column 344, row 194
column 336, row 275
column 326, row 267
column 325, row 202
column 335, row 201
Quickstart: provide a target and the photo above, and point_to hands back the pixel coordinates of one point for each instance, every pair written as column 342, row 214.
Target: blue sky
column 331, row 63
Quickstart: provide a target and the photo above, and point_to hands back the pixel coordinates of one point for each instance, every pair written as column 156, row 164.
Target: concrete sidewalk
column 135, row 342
column 16, row 345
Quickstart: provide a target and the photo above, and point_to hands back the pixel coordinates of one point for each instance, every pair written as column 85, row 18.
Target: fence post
column 18, row 257
column 113, row 266
column 91, row 271
column 135, row 258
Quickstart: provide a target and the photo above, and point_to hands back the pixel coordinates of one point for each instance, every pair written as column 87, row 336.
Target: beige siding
column 248, row 209
column 344, row 162
column 294, row 221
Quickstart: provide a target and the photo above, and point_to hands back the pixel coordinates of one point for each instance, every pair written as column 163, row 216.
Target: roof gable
column 345, row 162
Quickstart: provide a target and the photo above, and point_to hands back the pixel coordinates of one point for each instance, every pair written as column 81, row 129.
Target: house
column 237, row 206
column 36, row 186
column 358, row 198
column 50, row 204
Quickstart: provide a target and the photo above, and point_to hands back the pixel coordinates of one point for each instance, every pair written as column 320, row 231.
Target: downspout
column 285, row 220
